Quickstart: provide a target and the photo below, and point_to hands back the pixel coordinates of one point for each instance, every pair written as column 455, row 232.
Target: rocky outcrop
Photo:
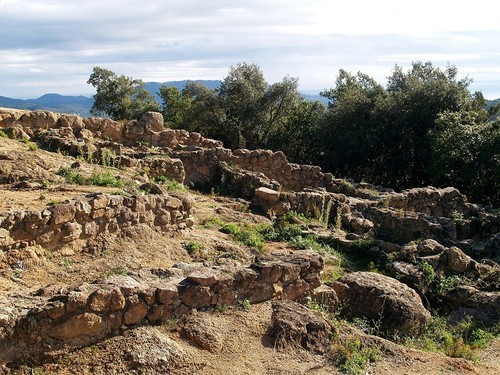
column 92, row 312
column 390, row 304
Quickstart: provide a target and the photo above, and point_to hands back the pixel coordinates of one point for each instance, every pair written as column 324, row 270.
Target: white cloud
column 53, row 43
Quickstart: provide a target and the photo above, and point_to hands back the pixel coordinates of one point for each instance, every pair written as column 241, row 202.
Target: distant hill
column 81, row 105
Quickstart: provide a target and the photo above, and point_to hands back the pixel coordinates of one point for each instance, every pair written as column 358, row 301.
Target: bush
column 170, row 184
column 352, row 357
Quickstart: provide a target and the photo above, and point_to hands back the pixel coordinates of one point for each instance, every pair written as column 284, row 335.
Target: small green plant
column 214, row 222
column 65, row 262
column 352, row 357
column 32, row 146
column 169, row 184
column 244, row 233
column 105, row 179
column 245, row 304
column 460, row 341
column 108, row 158
column 3, row 134
column 193, row 247
column 119, row 270
column 42, row 197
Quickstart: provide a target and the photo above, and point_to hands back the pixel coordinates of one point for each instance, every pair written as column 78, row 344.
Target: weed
column 3, row 134
column 213, row 222
column 108, row 158
column 169, row 184
column 245, row 304
column 192, row 247
column 461, row 340
column 120, row 270
column 65, row 262
column 104, row 179
column 352, row 357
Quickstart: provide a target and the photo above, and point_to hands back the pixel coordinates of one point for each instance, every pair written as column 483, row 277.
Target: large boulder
column 383, row 300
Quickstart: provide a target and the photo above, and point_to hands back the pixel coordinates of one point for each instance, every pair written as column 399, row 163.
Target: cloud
column 52, row 45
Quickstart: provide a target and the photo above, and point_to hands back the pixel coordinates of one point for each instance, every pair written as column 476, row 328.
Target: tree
column 383, row 135
column 300, row 136
column 465, row 152
column 245, row 110
column 120, row 97
column 175, row 105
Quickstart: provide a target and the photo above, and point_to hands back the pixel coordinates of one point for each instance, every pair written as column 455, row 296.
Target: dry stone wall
column 92, row 312
column 96, row 214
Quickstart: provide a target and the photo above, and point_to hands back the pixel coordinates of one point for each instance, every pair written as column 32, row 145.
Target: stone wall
column 94, row 311
column 88, row 217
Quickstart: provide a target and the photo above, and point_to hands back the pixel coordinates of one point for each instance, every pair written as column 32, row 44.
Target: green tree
column 300, row 136
column 120, row 97
column 384, row 135
column 175, row 105
column 245, row 110
column 465, row 153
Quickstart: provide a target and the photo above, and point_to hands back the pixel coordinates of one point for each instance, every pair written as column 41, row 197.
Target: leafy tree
column 175, row 105
column 245, row 110
column 300, row 136
column 384, row 135
column 465, row 152
column 120, row 97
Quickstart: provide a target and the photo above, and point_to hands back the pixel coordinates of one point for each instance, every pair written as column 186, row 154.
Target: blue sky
column 52, row 45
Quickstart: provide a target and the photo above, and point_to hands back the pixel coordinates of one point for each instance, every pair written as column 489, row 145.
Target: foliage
column 244, row 233
column 192, row 247
column 352, row 357
column 170, row 184
column 465, row 153
column 175, row 105
column 3, row 134
column 245, row 110
column 120, row 97
column 460, row 340
column 97, row 179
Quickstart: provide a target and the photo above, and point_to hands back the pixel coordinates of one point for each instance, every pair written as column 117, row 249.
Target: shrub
column 3, row 134
column 352, row 357
column 170, row 184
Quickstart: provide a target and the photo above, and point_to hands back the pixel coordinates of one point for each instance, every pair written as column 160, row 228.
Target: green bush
column 98, row 179
column 170, row 184
column 352, row 357
column 3, row 134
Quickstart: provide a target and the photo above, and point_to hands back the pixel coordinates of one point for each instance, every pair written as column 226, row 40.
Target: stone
column 383, row 299
column 154, row 122
column 296, row 327
column 62, row 213
column 267, row 195
column 70, row 232
column 202, row 333
column 84, row 324
column 429, row 247
column 457, row 260
column 136, row 310
column 195, row 296
column 202, row 277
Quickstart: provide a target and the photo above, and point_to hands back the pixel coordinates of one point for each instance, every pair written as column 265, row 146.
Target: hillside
column 129, row 247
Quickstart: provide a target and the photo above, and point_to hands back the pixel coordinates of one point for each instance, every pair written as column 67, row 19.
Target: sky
column 51, row 46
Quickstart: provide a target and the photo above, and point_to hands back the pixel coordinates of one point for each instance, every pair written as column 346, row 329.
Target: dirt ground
column 241, row 335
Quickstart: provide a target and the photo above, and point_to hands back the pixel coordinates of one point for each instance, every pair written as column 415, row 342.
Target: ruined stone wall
column 148, row 130
column 94, row 311
column 88, row 217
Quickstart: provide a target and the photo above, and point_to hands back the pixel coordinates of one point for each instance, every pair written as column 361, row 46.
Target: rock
column 84, row 324
column 486, row 302
column 62, row 213
column 202, row 277
column 406, row 272
column 295, row 326
column 154, row 122
column 325, row 296
column 457, row 260
column 429, row 247
column 380, row 298
column 202, row 333
column 136, row 311
column 267, row 195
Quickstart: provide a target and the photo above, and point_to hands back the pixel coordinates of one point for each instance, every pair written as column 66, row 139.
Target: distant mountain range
column 81, row 105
